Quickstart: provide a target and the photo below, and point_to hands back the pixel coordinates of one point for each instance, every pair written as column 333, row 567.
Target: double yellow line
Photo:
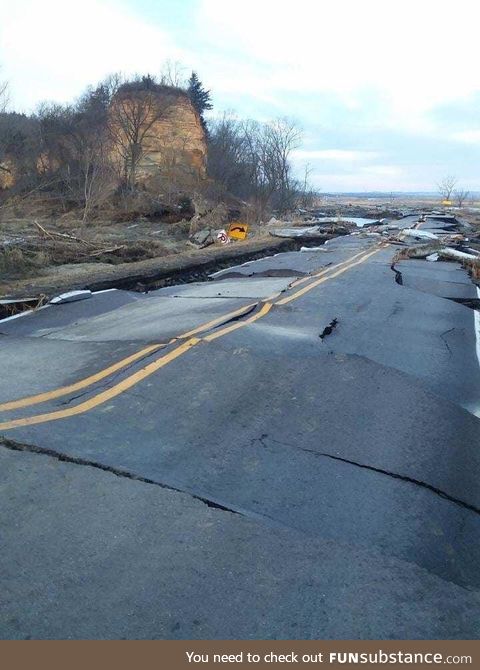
column 116, row 367
column 188, row 340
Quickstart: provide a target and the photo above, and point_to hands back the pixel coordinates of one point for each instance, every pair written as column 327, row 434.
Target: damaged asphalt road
column 306, row 466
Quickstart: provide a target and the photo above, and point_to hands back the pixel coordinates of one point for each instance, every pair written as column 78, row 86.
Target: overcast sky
column 387, row 91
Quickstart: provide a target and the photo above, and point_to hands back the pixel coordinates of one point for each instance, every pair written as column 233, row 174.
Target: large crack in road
column 118, row 472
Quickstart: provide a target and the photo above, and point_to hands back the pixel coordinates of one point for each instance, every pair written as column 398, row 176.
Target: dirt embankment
column 42, row 256
column 40, row 261
column 153, row 273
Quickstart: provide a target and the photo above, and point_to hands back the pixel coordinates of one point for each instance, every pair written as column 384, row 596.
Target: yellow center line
column 104, row 396
column 322, row 272
column 81, row 384
column 326, row 269
column 323, row 279
column 119, row 365
column 149, row 369
column 215, row 322
column 240, row 324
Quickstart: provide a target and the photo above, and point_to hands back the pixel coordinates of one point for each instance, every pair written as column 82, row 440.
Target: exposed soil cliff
column 157, row 138
column 154, row 139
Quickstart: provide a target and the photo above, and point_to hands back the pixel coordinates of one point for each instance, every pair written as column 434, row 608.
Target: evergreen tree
column 200, row 98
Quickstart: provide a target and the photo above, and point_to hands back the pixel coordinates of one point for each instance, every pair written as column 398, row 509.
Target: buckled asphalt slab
column 316, row 486
column 94, row 555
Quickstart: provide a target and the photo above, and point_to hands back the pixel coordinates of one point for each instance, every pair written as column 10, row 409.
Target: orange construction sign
column 238, row 231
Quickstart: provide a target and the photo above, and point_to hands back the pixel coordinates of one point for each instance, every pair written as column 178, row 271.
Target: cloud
column 342, row 155
column 398, row 48
column 387, row 93
column 382, row 170
column 467, row 136
column 53, row 49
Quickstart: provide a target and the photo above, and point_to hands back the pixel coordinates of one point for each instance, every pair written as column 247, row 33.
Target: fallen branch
column 99, row 252
column 447, row 252
column 52, row 235
column 420, row 234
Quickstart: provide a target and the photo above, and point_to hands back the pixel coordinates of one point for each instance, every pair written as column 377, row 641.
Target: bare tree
column 97, row 176
column 253, row 161
column 261, row 164
column 19, row 151
column 446, row 186
column 461, row 196
column 227, row 155
column 4, row 96
column 73, row 149
column 283, row 136
column 4, row 100
column 270, row 146
column 173, row 173
column 306, row 193
column 91, row 145
column 133, row 113
column 173, row 74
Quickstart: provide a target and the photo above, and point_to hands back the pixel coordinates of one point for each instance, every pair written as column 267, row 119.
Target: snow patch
column 477, row 328
column 454, row 253
column 313, row 248
column 70, row 296
column 415, row 232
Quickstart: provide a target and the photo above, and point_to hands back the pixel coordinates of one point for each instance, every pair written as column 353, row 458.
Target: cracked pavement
column 309, row 470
